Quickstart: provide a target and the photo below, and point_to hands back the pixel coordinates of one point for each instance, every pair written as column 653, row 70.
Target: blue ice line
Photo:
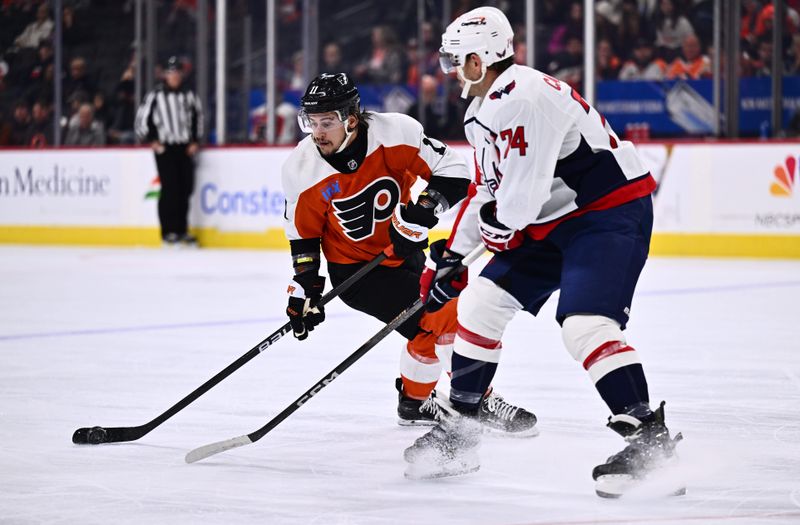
column 144, row 328
column 207, row 324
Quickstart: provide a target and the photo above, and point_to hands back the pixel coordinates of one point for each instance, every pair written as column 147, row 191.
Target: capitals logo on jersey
column 359, row 213
column 503, row 91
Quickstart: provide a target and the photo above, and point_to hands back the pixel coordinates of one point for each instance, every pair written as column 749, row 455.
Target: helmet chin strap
column 347, row 133
column 468, row 83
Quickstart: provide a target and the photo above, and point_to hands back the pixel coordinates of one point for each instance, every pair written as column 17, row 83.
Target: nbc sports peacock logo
column 784, row 177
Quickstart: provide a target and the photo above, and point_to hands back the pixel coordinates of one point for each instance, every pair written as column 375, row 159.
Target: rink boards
column 732, row 199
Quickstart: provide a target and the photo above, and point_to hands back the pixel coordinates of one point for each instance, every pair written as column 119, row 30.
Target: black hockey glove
column 409, row 228
column 305, row 291
column 435, row 287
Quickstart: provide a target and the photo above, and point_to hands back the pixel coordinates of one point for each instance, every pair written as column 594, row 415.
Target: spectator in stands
column 286, row 128
column 766, row 17
column 671, row 28
column 429, row 54
column 792, row 63
column 750, row 11
column 385, row 62
column 693, row 64
column 43, row 58
column 631, row 29
column 78, row 79
column 761, row 64
column 412, row 59
column 42, row 88
column 332, row 59
column 40, row 132
column 3, row 73
column 648, row 9
column 19, row 124
column 568, row 65
column 430, row 48
column 521, row 53
column 102, row 113
column 642, row 65
column 442, row 119
column 74, row 31
column 608, row 63
column 5, row 128
column 123, row 114
column 74, row 103
column 86, row 131
column 38, row 30
column 701, row 16
column 607, row 20
column 572, row 27
column 296, row 81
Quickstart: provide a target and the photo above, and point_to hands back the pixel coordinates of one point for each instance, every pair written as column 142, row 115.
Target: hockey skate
column 448, row 449
column 647, row 466
column 505, row 419
column 413, row 412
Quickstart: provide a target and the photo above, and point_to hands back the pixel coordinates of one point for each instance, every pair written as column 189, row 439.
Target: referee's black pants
column 176, row 172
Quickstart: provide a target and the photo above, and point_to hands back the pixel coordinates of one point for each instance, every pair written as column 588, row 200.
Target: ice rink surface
column 114, row 337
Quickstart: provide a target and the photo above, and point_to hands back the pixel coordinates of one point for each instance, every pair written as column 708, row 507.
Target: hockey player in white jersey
column 564, row 204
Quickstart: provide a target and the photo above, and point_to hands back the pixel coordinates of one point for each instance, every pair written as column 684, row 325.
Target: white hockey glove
column 495, row 235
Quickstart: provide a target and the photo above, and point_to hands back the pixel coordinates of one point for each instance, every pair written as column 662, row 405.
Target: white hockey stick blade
column 215, row 448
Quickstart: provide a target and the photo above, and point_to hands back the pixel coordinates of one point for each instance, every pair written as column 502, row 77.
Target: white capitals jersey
column 545, row 155
column 350, row 212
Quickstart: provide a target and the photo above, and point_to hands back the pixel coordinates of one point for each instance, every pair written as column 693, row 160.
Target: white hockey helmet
column 485, row 31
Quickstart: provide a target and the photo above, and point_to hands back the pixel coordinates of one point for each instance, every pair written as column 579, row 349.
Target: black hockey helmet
column 330, row 92
column 173, row 63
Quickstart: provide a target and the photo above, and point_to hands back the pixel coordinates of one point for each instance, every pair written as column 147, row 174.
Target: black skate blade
column 416, row 422
column 413, row 474
column 496, row 432
column 615, row 486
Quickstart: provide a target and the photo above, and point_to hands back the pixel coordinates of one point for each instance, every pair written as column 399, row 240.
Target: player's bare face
column 327, row 132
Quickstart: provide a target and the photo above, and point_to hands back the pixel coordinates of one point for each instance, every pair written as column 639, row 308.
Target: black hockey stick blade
column 97, row 435
column 221, row 446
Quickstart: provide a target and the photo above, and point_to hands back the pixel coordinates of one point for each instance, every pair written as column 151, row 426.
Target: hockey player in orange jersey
column 348, row 194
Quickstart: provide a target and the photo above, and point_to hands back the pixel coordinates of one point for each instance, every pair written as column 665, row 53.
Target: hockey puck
column 90, row 436
column 96, row 435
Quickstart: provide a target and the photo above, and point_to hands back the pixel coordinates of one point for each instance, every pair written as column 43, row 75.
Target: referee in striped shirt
column 171, row 120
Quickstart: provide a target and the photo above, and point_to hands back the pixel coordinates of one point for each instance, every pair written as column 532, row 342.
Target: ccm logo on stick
column 314, row 391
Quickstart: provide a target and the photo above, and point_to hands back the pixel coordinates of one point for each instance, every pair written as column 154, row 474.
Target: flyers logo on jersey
column 503, row 91
column 359, row 213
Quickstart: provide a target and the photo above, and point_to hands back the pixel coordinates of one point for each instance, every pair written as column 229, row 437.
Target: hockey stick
column 228, row 444
column 97, row 435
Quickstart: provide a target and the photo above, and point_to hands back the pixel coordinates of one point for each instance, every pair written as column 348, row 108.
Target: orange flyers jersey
column 350, row 212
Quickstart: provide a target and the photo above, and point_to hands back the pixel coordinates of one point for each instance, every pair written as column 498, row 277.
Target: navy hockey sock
column 624, row 389
column 469, row 381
